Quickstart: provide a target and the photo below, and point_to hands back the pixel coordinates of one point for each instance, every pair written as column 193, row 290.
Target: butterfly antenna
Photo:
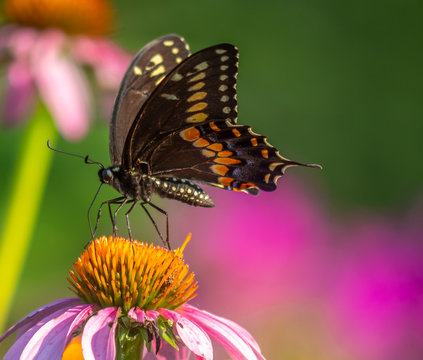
column 87, row 160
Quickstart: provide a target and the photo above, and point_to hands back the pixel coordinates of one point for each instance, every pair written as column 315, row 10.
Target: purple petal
column 191, row 335
column 64, row 89
column 34, row 317
column 80, row 318
column 19, row 93
column 98, row 337
column 50, row 340
column 137, row 314
column 18, row 347
column 228, row 337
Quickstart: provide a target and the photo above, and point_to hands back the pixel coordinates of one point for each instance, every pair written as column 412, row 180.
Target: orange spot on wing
column 225, row 153
column 219, row 169
column 236, row 132
column 190, row 134
column 265, row 153
column 225, row 181
column 201, row 142
column 227, row 161
column 214, row 127
column 215, row 147
column 254, row 141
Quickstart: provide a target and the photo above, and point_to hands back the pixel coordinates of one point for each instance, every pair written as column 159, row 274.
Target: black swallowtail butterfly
column 175, row 123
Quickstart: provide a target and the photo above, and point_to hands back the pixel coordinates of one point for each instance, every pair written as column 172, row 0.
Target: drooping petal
column 237, row 347
column 18, row 347
column 37, row 315
column 19, row 94
column 50, row 340
column 63, row 87
column 137, row 314
column 191, row 335
column 98, row 337
column 79, row 319
column 246, row 336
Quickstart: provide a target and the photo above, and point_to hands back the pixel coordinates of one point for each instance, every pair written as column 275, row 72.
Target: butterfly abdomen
column 182, row 190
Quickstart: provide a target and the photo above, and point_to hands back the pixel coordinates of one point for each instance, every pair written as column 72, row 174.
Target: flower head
column 44, row 45
column 131, row 295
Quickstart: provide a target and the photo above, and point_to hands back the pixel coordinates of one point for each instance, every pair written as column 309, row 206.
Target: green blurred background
column 330, row 82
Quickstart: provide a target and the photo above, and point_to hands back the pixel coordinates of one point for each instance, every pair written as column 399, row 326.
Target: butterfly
column 174, row 124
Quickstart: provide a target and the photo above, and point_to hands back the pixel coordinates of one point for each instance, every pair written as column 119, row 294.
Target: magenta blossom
column 129, row 292
column 49, row 64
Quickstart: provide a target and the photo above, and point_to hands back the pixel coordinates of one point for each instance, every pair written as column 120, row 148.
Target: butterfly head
column 106, row 175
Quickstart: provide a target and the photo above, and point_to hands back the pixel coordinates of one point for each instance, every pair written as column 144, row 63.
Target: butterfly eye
column 105, row 175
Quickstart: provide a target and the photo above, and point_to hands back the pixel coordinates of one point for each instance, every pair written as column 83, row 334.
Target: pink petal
column 98, row 337
column 19, row 93
column 80, row 318
column 151, row 315
column 64, row 89
column 234, row 344
column 34, row 317
column 191, row 335
column 137, row 314
column 18, row 347
column 108, row 60
column 50, row 340
column 246, row 336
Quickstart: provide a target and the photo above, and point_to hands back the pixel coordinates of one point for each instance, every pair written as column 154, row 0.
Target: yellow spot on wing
column 208, row 153
column 199, row 117
column 197, row 96
column 158, row 71
column 274, row 165
column 190, row 134
column 157, row 59
column 137, row 70
column 226, row 110
column 197, row 77
column 202, row 66
column 177, row 77
column 220, row 51
column 197, row 107
column 168, row 42
column 175, row 50
column 197, row 86
column 267, row 178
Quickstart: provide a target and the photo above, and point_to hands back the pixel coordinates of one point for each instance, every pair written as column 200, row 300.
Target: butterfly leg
column 125, row 201
column 108, row 202
column 166, row 243
column 127, row 219
column 167, row 222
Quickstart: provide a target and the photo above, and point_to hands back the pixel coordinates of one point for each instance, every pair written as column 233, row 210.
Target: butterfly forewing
column 199, row 90
column 149, row 67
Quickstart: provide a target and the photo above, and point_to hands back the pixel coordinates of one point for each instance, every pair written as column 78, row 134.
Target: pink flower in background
column 376, row 303
column 129, row 293
column 347, row 291
column 45, row 51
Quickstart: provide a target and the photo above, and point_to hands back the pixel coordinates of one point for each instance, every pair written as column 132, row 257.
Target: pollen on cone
column 124, row 273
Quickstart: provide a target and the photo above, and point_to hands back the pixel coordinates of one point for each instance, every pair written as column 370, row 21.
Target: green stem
column 28, row 184
column 131, row 345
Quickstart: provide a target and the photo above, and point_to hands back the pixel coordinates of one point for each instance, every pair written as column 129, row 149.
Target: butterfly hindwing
column 199, row 90
column 221, row 154
column 149, row 67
